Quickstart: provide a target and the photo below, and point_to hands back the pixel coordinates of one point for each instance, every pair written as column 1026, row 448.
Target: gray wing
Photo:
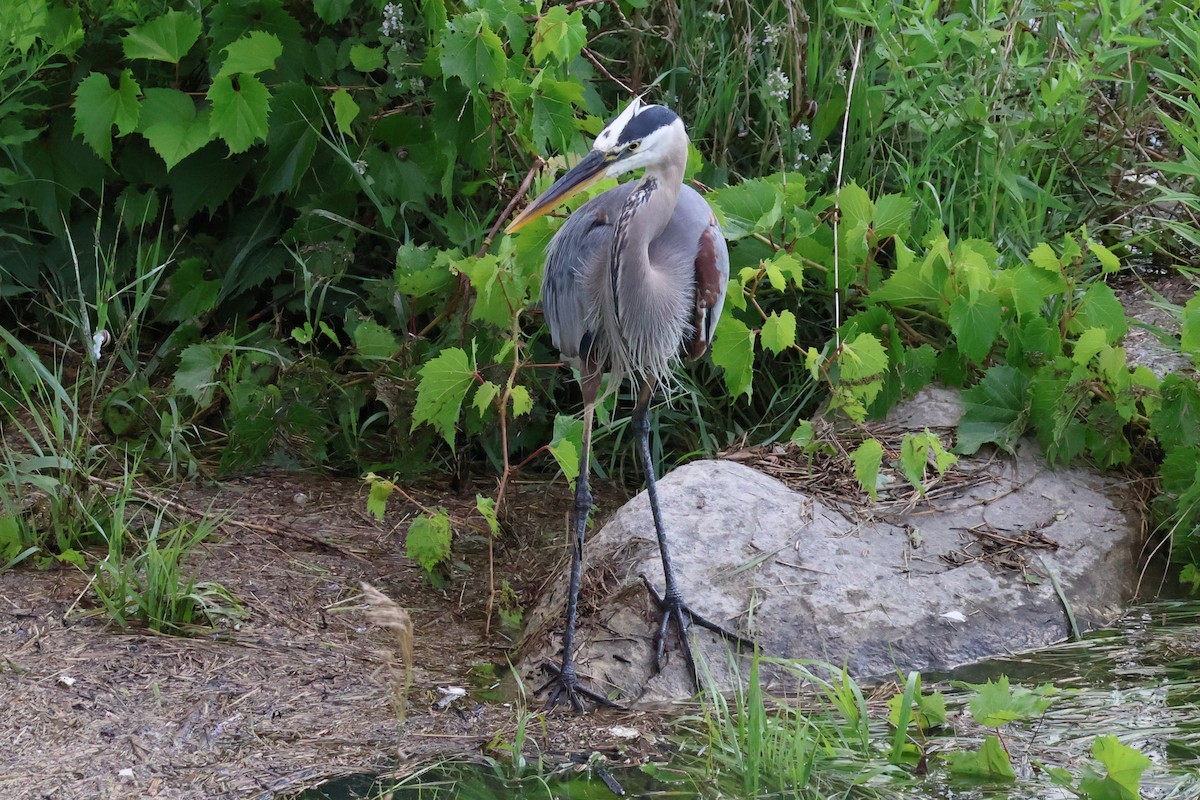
column 693, row 248
column 579, row 249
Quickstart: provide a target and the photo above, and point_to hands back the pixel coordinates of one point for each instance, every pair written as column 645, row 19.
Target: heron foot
column 673, row 610
column 565, row 687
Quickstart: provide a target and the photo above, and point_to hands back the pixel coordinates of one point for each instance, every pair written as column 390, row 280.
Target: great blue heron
column 635, row 280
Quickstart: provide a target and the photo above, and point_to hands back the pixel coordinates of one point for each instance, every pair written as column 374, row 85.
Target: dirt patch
column 298, row 693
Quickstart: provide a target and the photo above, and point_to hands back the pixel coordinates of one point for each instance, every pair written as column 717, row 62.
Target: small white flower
column 393, row 20
column 779, row 85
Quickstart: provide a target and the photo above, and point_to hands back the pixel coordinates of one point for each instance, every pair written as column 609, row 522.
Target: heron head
column 642, row 135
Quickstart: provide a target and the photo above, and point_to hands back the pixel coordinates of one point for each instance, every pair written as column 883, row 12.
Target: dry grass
column 386, row 614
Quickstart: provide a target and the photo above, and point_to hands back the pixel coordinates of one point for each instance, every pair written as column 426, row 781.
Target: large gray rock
column 900, row 586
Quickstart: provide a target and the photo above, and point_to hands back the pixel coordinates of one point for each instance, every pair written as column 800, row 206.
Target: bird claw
column 677, row 611
column 568, row 687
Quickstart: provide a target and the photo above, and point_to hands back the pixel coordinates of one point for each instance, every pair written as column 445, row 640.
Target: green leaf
column 892, row 215
column 377, row 498
column 975, row 324
column 867, row 458
column 749, row 207
column 166, row 38
column 990, row 762
column 995, row 704
column 332, row 12
column 1124, row 766
column 365, row 58
column 240, row 107
column 196, row 374
column 566, row 444
column 428, row 539
column 560, row 34
column 1176, row 423
column 1189, row 340
column 553, row 121
column 345, row 110
column 913, row 284
column 440, row 392
column 996, row 410
column 172, row 126
column 733, row 352
column 861, row 363
column 1089, row 343
column 492, row 285
column 255, row 52
column 915, row 450
column 1044, row 257
column 486, row 506
column 190, row 295
column 472, row 52
column 1099, row 308
column 1108, row 261
column 98, row 107
column 484, row 395
column 522, row 403
column 779, row 331
column 373, row 342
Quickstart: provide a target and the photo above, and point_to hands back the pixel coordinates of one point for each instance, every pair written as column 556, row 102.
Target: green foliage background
column 286, row 215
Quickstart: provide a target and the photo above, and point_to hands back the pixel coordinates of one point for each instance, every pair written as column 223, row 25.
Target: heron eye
column 632, row 146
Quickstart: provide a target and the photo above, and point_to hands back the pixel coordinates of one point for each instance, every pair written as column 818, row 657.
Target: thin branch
column 538, row 163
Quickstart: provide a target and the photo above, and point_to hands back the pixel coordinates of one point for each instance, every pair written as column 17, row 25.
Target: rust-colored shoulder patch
column 708, row 293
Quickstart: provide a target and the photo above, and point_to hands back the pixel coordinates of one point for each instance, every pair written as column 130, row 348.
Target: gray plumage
column 635, row 279
column 643, row 326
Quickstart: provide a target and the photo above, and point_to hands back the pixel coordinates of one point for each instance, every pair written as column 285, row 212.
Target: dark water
column 1139, row 680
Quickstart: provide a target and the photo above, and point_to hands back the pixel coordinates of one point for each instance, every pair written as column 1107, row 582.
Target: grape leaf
column 1189, row 340
column 172, row 126
column 366, row 58
column 995, row 410
column 98, row 107
column 1044, row 257
column 779, row 331
column 428, row 539
column 975, row 324
column 1099, row 308
column 892, row 215
column 1108, row 261
column 444, row 383
column 374, row 342
column 240, row 107
column 255, row 52
column 377, row 499
column 565, row 446
column 332, row 11
column 166, row 38
column 733, row 352
column 867, row 458
column 472, row 52
column 522, row 403
column 484, row 395
column 560, row 34
column 196, row 373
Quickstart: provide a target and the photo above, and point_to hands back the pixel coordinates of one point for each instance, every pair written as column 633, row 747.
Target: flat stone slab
column 927, row 585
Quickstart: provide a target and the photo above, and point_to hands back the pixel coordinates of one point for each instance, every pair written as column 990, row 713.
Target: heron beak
column 574, row 181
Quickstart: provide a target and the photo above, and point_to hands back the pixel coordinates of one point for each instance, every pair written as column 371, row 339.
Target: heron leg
column 671, row 605
column 564, row 678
